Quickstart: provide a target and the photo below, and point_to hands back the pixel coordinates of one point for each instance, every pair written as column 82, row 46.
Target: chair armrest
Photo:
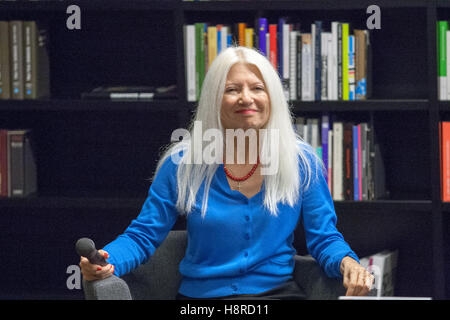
column 111, row 288
column 317, row 285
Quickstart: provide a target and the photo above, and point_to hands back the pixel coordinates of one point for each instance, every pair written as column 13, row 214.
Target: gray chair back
column 159, row 278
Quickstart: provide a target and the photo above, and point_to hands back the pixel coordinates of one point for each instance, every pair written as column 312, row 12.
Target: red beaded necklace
column 240, row 179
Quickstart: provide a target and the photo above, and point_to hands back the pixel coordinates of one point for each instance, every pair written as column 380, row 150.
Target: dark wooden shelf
column 89, row 105
column 136, row 203
column 297, row 5
column 384, row 205
column 71, row 203
column 97, row 5
column 361, row 105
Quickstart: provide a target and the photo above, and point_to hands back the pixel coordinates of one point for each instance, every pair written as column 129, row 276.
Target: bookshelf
column 95, row 157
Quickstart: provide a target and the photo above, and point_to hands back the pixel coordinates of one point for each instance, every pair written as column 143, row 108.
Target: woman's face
column 245, row 102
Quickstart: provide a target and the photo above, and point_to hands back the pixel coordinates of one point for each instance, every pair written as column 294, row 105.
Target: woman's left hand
column 357, row 280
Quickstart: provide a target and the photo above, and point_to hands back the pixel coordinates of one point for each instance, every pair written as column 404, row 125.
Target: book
column 383, row 266
column 36, row 71
column 199, row 58
column 445, row 164
column 361, row 37
column 130, row 93
column 348, row 161
column 212, row 43
column 262, row 35
column 345, row 61
column 16, row 59
column 190, row 59
column 307, row 68
column 356, row 171
column 273, row 55
column 3, row 163
column 351, row 68
column 5, row 84
column 22, row 173
column 317, row 26
column 338, row 156
column 442, row 27
column 293, row 65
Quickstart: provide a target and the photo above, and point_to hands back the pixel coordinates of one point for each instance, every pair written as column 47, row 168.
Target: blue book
column 262, row 35
column 325, row 127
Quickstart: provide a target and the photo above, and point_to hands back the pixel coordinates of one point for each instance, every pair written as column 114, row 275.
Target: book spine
column 348, row 160
column 16, row 47
column 338, row 187
column 339, row 61
column 189, row 36
column 293, row 65
column 446, row 161
column 30, row 171
column 361, row 65
column 299, row 66
column 307, row 68
column 29, row 30
column 318, row 60
column 3, row 163
column 16, row 152
column 442, row 61
column 325, row 126
column 345, row 83
column 364, row 159
column 359, row 163
column 330, row 159
column 199, row 59
column 212, row 44
column 324, row 65
column 334, row 60
column 249, row 37
column 355, row 164
column 329, row 74
column 273, row 45
column 5, row 84
column 241, row 33
column 262, row 35
column 351, row 68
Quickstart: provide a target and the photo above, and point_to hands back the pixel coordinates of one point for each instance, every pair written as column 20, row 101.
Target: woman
column 240, row 216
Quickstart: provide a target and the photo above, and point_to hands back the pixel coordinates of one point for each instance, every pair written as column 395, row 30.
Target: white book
column 189, row 44
column 268, row 45
column 293, row 65
column 334, row 62
column 223, row 38
column 307, row 68
column 338, row 158
column 286, row 30
column 324, row 36
column 329, row 66
column 330, row 160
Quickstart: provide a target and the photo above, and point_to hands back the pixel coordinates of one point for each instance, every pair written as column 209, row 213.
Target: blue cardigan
column 238, row 247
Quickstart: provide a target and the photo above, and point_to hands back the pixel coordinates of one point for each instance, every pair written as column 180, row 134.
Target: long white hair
column 294, row 155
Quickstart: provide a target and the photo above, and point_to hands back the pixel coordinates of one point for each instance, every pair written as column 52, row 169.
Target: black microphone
column 85, row 247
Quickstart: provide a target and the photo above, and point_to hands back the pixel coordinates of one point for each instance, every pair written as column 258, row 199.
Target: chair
column 159, row 278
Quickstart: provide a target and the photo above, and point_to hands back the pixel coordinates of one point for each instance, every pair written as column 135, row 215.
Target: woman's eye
column 230, row 90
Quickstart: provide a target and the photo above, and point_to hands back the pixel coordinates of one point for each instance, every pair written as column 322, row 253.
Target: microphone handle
column 96, row 258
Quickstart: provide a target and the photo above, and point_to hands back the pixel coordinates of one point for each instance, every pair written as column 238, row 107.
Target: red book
column 273, row 45
column 445, row 161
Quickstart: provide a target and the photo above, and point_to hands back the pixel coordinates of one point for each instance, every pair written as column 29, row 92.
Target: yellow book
column 249, row 37
column 212, row 44
column 345, row 84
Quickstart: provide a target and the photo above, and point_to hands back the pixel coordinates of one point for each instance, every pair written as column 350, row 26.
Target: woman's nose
column 246, row 96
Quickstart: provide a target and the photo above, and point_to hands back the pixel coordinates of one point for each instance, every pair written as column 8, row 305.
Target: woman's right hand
column 93, row 272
